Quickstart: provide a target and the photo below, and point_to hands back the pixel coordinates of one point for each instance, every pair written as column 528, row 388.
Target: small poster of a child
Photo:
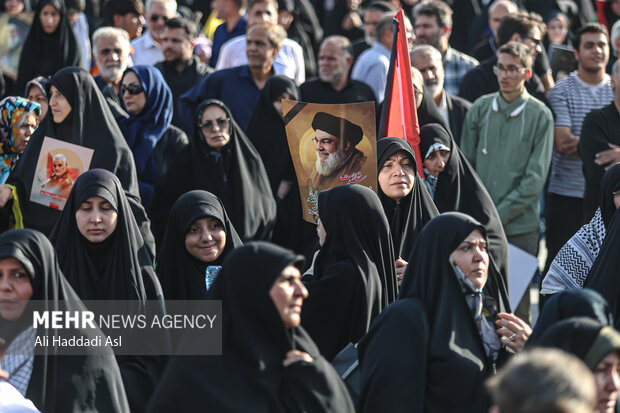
column 59, row 165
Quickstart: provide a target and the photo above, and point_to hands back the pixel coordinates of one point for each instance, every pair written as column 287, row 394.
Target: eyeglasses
column 210, row 124
column 156, row 17
column 537, row 42
column 133, row 89
column 509, row 71
column 323, row 141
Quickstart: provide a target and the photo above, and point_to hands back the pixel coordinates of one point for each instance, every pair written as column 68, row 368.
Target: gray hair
column 106, row 32
column 615, row 35
column 169, row 4
column 61, row 157
column 426, row 50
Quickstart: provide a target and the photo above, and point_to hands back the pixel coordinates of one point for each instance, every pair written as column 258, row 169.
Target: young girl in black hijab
column 104, row 257
column 269, row 363
column 55, row 384
column 50, row 45
column 80, row 115
column 219, row 159
column 199, row 235
column 354, row 276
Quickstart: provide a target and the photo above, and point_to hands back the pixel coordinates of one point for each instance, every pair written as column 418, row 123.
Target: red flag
column 600, row 13
column 398, row 114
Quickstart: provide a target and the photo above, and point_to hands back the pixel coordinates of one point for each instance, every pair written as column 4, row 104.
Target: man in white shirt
column 147, row 48
column 288, row 62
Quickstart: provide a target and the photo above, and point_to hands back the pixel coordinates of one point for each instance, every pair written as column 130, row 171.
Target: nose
column 613, row 384
column 95, row 216
column 300, row 290
column 5, row 284
column 206, row 236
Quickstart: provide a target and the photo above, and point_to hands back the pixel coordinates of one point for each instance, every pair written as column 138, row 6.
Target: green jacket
column 510, row 145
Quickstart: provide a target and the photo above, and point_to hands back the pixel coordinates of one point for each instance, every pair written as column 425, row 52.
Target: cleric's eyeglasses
column 210, row 124
column 156, row 17
column 133, row 89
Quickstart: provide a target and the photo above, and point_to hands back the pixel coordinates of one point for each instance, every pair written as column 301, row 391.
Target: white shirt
column 288, row 62
column 12, row 401
column 372, row 68
column 146, row 50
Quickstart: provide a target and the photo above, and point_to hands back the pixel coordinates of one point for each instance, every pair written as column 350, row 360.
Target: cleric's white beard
column 326, row 167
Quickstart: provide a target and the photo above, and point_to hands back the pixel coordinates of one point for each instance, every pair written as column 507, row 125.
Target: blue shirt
column 221, row 36
column 234, row 86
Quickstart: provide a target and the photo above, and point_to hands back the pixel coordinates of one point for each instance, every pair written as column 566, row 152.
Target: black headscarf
column 236, row 175
column 118, row 268
column 92, row 125
column 460, row 189
column 424, row 353
column 249, row 376
column 354, row 272
column 609, row 184
column 183, row 276
column 571, row 303
column 44, row 54
column 603, row 276
column 61, row 383
column 410, row 214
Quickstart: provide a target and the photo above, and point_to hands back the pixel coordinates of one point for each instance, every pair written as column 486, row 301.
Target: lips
column 95, row 231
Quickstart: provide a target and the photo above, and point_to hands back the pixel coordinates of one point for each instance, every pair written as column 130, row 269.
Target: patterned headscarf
column 13, row 111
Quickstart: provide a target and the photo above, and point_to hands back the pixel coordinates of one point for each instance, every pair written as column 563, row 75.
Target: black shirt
column 317, row 91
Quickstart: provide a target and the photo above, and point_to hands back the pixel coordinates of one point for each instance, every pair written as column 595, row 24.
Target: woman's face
column 205, row 239
column 557, row 30
column 215, row 127
column 13, row 7
column 15, row 288
column 96, row 219
column 321, row 233
column 288, row 295
column 436, row 162
column 472, row 258
column 278, row 102
column 59, row 104
column 607, row 383
column 50, row 18
column 397, row 176
column 36, row 95
column 21, row 135
column 132, row 93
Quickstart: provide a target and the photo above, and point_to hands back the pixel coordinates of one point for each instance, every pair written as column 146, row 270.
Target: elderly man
column 147, row 48
column 427, row 60
column 334, row 85
column 111, row 51
column 336, row 154
column 487, row 48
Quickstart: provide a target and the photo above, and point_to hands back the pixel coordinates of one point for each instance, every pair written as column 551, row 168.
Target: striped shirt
column 455, row 67
column 571, row 100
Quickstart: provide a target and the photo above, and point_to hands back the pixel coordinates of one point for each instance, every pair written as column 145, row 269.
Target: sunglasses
column 210, row 124
column 133, row 89
column 156, row 17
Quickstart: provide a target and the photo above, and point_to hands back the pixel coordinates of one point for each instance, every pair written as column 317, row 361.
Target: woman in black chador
column 219, row 159
column 104, row 257
column 353, row 275
column 55, row 384
column 269, row 364
column 435, row 346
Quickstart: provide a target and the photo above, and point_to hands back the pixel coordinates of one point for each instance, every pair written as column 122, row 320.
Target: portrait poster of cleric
column 59, row 165
column 330, row 145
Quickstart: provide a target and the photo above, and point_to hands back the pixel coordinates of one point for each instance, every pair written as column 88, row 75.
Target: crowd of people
column 396, row 298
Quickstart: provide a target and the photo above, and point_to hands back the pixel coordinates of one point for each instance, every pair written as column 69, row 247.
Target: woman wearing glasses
column 219, row 159
column 149, row 134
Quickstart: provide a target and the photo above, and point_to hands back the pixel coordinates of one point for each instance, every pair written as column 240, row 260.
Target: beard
column 434, row 88
column 326, row 167
column 113, row 72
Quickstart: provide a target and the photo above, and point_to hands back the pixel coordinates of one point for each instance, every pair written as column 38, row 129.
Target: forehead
column 426, row 20
column 257, row 33
column 499, row 11
column 206, row 220
column 372, row 16
column 213, row 112
column 593, row 38
column 331, row 49
column 35, row 91
column 424, row 60
column 506, row 59
column 535, row 33
column 474, row 236
column 48, row 8
column 262, row 7
column 174, row 32
column 11, row 263
column 111, row 42
column 158, row 8
column 130, row 77
column 320, row 134
column 399, row 155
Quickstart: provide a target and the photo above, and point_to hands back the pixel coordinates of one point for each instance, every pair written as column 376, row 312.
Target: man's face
column 60, row 167
column 158, row 14
column 593, row 52
column 111, row 58
column 427, row 30
column 510, row 73
column 131, row 22
column 259, row 49
column 496, row 16
column 262, row 12
column 534, row 42
column 334, row 63
column 177, row 48
column 223, row 8
column 431, row 68
column 330, row 155
column 371, row 18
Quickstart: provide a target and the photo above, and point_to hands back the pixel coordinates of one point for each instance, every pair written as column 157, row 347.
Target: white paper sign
column 522, row 267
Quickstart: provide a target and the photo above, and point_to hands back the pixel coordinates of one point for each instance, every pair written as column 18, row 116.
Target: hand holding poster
column 59, row 165
column 330, row 145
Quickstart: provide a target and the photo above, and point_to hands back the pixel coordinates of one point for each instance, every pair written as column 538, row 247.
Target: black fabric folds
column 236, row 175
column 609, row 184
column 424, row 352
column 354, row 272
column 408, row 216
column 43, row 54
column 249, row 376
column 183, row 276
column 61, row 383
column 460, row 189
column 93, row 126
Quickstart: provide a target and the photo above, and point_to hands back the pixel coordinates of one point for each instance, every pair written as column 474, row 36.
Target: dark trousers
column 563, row 218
